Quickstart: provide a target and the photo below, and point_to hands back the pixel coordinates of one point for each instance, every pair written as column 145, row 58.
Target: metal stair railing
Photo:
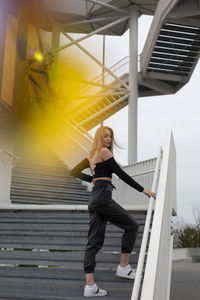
column 106, row 99
column 117, row 66
column 114, row 68
column 81, row 140
column 156, row 283
column 140, row 266
column 101, row 110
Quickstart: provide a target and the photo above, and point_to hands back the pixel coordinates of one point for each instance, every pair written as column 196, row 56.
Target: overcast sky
column 180, row 112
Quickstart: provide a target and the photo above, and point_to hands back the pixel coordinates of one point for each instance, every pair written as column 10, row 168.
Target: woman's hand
column 149, row 194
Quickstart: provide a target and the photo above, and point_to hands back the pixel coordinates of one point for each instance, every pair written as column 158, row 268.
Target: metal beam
column 185, row 13
column 187, row 9
column 158, row 86
column 101, row 95
column 169, row 77
column 97, row 61
column 90, row 21
column 92, row 33
column 101, row 3
column 148, row 93
column 88, row 82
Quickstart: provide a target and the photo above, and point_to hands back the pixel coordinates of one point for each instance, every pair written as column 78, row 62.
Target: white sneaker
column 126, row 272
column 95, row 291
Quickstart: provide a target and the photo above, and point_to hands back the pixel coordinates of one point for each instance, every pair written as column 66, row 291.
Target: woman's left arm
column 76, row 171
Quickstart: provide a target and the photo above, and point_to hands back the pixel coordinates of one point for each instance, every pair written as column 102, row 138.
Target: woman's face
column 107, row 138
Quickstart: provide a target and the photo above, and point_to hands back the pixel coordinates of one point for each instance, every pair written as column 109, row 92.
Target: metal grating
column 176, row 49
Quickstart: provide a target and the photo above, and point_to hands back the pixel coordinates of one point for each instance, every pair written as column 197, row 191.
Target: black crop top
column 104, row 169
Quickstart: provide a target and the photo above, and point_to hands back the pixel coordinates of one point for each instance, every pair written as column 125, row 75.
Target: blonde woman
column 103, row 208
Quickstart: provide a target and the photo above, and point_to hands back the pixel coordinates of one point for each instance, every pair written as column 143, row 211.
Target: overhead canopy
column 70, row 11
column 66, row 12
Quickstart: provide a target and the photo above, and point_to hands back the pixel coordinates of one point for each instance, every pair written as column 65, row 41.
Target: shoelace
column 129, row 272
column 113, row 187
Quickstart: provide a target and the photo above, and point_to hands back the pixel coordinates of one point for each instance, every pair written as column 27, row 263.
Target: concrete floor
column 185, row 280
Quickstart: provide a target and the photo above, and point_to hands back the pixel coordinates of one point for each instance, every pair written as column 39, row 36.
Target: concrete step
column 36, row 190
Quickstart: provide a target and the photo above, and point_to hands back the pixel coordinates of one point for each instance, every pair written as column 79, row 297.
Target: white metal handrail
column 157, row 276
column 85, row 133
column 9, row 154
column 93, row 116
column 140, row 266
column 58, row 207
column 113, row 68
column 118, row 65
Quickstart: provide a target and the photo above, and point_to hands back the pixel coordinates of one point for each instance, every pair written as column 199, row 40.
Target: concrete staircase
column 42, row 250
column 41, row 254
column 48, row 182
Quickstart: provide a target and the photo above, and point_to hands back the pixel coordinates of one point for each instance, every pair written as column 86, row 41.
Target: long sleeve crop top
column 104, row 169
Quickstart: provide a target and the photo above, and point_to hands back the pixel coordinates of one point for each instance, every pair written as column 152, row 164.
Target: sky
column 156, row 115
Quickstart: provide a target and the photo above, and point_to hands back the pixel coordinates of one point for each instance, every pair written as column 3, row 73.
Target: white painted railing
column 157, row 273
column 114, row 68
column 140, row 266
column 119, row 69
column 7, row 162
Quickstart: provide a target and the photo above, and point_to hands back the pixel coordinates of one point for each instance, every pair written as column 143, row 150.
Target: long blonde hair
column 99, row 140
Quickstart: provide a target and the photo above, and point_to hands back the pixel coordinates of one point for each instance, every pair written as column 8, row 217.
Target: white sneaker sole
column 105, row 293
column 125, row 276
column 90, row 296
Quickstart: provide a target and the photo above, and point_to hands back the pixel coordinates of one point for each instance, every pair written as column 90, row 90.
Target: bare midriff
column 102, row 178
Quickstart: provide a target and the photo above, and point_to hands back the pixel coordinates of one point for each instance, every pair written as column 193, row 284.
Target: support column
column 103, row 66
column 20, row 87
column 133, row 86
column 3, row 27
column 55, row 43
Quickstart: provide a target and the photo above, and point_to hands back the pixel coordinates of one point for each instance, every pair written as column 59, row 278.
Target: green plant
column 188, row 236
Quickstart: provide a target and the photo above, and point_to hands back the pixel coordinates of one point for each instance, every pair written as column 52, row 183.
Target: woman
column 102, row 208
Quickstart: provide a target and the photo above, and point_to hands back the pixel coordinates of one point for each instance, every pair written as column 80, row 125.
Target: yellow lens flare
column 38, row 56
column 51, row 122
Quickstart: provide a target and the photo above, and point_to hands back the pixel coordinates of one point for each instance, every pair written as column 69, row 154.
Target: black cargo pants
column 102, row 209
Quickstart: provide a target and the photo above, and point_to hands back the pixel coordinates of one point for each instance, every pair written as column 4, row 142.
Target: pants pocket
column 101, row 195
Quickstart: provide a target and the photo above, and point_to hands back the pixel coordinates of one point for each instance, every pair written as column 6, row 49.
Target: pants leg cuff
column 88, row 271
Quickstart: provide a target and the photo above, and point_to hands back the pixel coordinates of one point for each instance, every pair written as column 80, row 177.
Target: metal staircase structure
column 167, row 61
column 169, row 56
